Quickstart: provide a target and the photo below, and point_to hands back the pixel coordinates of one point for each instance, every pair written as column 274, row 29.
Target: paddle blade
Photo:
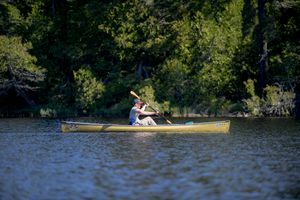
column 134, row 94
column 168, row 122
column 189, row 123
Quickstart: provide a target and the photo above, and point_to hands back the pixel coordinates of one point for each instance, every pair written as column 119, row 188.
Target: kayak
column 204, row 127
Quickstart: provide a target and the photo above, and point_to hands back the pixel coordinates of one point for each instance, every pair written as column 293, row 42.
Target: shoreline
column 177, row 116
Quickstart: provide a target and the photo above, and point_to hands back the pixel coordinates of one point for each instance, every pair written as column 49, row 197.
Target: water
column 259, row 159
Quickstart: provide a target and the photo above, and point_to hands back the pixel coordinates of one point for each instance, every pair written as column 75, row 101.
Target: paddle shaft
column 136, row 96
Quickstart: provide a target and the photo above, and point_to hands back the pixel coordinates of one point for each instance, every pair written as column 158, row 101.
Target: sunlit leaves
column 18, row 70
column 192, row 52
column 16, row 62
column 88, row 89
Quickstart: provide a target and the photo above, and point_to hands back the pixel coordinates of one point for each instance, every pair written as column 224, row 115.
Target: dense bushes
column 276, row 101
column 83, row 57
column 88, row 90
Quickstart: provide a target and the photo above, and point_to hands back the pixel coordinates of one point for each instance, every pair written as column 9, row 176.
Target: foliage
column 17, row 68
column 88, row 90
column 54, row 110
column 173, row 81
column 11, row 21
column 276, row 102
column 254, row 102
column 120, row 109
column 181, row 56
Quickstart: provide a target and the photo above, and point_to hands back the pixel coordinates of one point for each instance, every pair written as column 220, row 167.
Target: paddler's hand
column 144, row 106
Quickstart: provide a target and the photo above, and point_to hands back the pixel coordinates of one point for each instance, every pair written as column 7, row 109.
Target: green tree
column 173, row 81
column 88, row 90
column 18, row 69
column 11, row 21
column 189, row 52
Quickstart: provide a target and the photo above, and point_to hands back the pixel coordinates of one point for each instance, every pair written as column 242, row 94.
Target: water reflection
column 258, row 159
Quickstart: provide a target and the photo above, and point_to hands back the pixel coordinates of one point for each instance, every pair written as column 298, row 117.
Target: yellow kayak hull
column 205, row 127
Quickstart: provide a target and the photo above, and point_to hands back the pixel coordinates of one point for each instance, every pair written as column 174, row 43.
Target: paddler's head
column 138, row 103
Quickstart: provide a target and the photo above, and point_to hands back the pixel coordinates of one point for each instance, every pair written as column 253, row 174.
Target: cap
column 135, row 101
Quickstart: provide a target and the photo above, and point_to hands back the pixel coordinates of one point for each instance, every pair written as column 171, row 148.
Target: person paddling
column 139, row 109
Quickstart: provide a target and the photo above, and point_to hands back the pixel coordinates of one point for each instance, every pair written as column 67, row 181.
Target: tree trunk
column 66, row 65
column 263, row 46
column 297, row 101
column 141, row 71
column 53, row 8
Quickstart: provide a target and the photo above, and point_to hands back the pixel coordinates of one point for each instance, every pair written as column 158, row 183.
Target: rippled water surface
column 258, row 159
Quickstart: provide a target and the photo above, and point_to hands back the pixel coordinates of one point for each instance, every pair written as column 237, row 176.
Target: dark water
column 259, row 159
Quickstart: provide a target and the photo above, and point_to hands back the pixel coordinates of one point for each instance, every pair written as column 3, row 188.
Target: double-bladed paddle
column 158, row 113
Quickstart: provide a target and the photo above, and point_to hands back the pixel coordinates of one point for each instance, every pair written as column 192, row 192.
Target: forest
column 61, row 58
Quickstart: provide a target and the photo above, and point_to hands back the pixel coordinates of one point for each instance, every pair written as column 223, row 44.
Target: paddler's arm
column 143, row 112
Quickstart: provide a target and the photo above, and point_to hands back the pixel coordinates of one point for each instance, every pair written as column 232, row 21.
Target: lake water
column 258, row 159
